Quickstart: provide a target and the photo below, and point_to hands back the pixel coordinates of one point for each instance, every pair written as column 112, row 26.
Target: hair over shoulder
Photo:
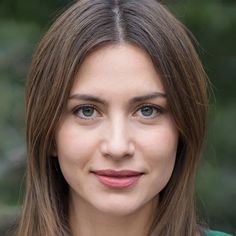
column 83, row 27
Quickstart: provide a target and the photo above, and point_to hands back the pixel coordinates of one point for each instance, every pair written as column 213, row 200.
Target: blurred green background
column 213, row 22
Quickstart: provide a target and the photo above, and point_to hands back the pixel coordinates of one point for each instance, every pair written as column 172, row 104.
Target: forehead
column 117, row 67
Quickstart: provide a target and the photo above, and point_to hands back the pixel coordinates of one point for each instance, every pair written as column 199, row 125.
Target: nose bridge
column 119, row 131
column 118, row 141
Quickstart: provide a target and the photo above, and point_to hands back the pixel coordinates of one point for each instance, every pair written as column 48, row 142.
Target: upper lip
column 117, row 173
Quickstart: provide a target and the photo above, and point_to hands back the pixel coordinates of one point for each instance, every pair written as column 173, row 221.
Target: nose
column 117, row 142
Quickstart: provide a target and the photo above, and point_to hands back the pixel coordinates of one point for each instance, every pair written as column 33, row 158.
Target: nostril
column 117, row 139
column 117, row 151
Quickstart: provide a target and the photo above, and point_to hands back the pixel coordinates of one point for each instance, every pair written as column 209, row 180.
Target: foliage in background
column 214, row 25
column 213, row 22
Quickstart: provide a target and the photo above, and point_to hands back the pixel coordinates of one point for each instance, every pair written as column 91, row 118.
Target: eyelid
column 149, row 105
column 83, row 105
column 75, row 109
column 159, row 108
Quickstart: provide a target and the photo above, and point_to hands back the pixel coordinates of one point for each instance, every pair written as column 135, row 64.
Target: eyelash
column 78, row 108
column 159, row 110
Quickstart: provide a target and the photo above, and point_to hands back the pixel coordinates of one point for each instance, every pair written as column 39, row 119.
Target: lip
column 118, row 179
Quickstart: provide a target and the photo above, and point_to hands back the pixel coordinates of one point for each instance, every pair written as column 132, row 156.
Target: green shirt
column 217, row 233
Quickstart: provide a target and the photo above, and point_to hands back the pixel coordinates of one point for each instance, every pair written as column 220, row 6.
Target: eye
column 148, row 111
column 86, row 112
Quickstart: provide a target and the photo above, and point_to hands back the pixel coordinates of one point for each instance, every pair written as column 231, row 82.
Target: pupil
column 87, row 111
column 147, row 111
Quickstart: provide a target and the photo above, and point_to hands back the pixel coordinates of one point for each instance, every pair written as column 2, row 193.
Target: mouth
column 118, row 179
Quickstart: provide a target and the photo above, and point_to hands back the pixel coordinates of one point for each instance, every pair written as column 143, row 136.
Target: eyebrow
column 147, row 97
column 92, row 98
column 87, row 97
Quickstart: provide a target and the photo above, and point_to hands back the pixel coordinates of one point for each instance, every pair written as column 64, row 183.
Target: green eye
column 149, row 111
column 86, row 112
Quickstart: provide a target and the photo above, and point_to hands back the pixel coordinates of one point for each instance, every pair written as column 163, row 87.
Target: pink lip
column 118, row 179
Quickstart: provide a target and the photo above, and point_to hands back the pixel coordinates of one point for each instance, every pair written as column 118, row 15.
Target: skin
column 118, row 134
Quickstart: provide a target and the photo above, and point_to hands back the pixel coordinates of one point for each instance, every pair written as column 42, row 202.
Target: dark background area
column 213, row 22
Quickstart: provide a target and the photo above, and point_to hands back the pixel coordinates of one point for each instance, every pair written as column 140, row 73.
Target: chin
column 120, row 206
column 118, row 211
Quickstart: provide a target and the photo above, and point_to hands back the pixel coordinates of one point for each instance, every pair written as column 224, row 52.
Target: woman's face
column 116, row 142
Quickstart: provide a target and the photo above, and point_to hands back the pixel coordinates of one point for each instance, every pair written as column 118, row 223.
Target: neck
column 87, row 221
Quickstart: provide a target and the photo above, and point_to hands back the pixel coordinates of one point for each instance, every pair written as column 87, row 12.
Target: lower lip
column 118, row 182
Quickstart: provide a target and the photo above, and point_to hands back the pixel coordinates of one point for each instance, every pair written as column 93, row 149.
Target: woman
column 116, row 119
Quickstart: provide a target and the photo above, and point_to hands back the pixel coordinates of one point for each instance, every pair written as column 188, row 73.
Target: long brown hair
column 86, row 25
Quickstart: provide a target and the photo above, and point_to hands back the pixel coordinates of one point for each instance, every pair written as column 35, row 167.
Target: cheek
column 159, row 149
column 74, row 148
column 160, row 142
